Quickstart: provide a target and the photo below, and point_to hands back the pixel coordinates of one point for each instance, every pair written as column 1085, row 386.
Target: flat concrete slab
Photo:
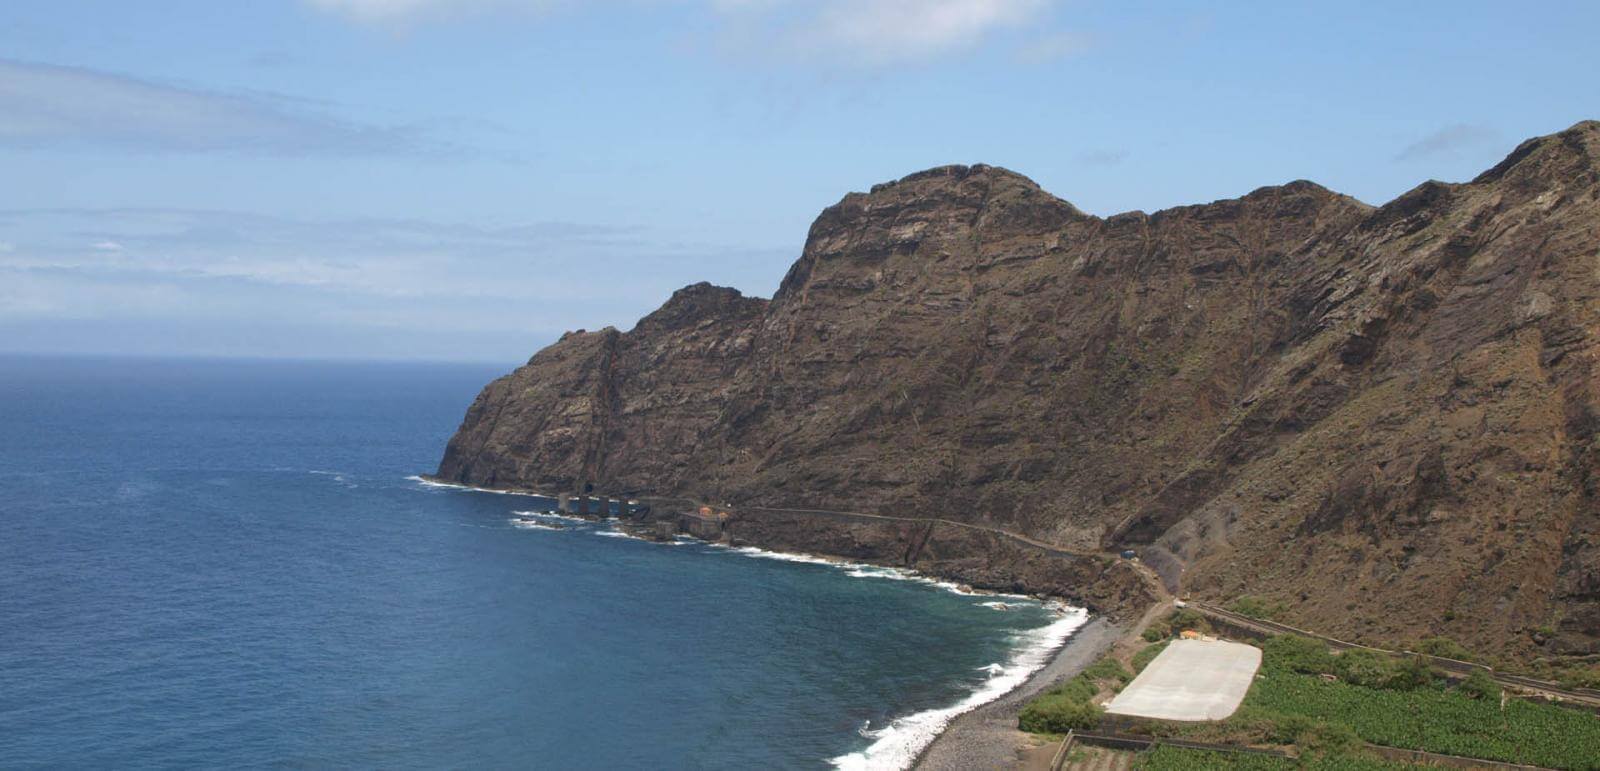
column 1191, row 680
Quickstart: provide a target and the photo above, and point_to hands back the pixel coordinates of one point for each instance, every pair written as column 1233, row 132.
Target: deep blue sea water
column 224, row 564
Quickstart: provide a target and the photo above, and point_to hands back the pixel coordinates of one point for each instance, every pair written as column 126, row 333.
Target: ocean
column 210, row 563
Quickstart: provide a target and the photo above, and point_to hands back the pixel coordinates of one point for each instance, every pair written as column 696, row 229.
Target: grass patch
column 1148, row 654
column 1175, row 759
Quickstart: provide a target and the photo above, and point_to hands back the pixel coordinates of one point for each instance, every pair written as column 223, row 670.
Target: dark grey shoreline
column 987, row 737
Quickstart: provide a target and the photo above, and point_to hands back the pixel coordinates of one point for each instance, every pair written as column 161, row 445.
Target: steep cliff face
column 1384, row 418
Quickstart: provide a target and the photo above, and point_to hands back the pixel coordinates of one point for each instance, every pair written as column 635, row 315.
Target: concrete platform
column 1191, row 680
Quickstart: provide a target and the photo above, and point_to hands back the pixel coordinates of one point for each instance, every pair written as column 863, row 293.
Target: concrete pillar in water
column 564, row 503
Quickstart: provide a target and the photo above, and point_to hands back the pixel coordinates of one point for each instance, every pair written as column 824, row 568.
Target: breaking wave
column 425, row 482
column 532, row 524
column 550, row 515
column 897, row 745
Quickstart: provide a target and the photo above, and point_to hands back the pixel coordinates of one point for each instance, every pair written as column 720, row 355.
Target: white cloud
column 405, row 11
column 890, row 30
column 196, row 281
column 50, row 104
column 389, row 258
column 863, row 31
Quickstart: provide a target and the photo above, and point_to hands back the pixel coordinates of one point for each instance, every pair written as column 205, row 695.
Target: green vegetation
column 1327, row 705
column 1175, row 623
column 1297, row 654
column 1572, row 674
column 1257, row 608
column 1056, row 714
column 1185, row 619
column 1070, row 705
column 1479, row 685
column 1579, row 677
column 1148, row 654
column 1401, row 704
column 1175, row 759
column 1253, row 726
column 1107, row 668
column 1444, row 648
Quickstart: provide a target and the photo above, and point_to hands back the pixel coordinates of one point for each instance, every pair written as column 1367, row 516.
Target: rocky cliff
column 1383, row 418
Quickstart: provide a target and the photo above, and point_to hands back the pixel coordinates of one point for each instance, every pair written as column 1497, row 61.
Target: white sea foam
column 338, row 476
column 896, row 745
column 532, row 524
column 901, row 574
column 550, row 515
column 863, row 570
column 616, row 534
column 425, row 482
column 809, row 559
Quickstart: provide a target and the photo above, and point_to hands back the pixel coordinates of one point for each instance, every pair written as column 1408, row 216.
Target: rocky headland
column 1381, row 418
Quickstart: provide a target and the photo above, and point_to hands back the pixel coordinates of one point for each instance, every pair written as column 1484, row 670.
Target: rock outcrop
column 1384, row 418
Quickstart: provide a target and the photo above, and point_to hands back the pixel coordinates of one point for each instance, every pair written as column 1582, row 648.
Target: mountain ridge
column 1382, row 417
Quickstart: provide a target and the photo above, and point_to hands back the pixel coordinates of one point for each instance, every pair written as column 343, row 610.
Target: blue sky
column 466, row 179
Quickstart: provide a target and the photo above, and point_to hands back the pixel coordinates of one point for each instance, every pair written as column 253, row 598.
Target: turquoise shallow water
column 216, row 563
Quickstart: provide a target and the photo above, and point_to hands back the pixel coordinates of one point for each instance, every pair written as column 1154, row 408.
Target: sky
column 468, row 179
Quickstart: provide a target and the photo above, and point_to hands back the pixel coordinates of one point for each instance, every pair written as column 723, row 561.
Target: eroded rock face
column 1385, row 418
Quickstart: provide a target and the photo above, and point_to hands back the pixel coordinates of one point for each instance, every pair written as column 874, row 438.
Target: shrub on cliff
column 1255, row 607
column 1297, row 654
column 1411, row 673
column 1108, row 669
column 1444, row 648
column 1059, row 713
column 1479, row 685
column 1579, row 676
column 1360, row 667
column 1188, row 618
column 1070, row 705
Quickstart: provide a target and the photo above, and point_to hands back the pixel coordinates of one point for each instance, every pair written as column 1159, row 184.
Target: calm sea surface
column 208, row 563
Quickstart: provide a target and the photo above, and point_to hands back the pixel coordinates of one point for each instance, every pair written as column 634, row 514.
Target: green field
column 1436, row 720
column 1174, row 759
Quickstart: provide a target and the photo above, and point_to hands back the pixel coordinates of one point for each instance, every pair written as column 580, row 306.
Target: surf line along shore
column 987, row 736
column 982, row 556
column 980, row 731
column 981, row 728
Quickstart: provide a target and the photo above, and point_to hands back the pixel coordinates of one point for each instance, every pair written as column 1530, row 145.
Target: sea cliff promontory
column 1382, row 418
